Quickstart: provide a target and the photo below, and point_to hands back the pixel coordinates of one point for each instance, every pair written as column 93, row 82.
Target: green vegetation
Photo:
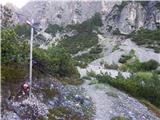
column 119, row 118
column 148, row 38
column 53, row 29
column 63, row 112
column 84, row 39
column 125, row 58
column 79, row 42
column 66, row 113
column 86, row 58
column 22, row 30
column 112, row 66
column 12, row 57
column 54, row 61
column 116, row 47
column 136, row 65
column 137, row 85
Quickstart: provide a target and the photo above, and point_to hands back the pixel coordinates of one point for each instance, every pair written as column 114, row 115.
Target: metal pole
column 30, row 68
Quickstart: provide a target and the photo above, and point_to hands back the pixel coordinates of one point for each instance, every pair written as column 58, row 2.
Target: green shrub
column 15, row 53
column 13, row 59
column 112, row 66
column 96, row 50
column 79, row 42
column 116, row 47
column 148, row 38
column 149, row 65
column 53, row 29
column 23, row 30
column 89, row 57
column 64, row 113
column 142, row 85
column 136, row 65
column 91, row 73
column 55, row 61
column 122, row 60
column 125, row 58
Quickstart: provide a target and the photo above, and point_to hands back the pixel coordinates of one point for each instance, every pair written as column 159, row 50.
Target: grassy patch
column 63, row 113
column 119, row 118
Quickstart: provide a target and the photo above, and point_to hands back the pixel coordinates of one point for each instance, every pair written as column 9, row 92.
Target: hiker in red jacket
column 25, row 88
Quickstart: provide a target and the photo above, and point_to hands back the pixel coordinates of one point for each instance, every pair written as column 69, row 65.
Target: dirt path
column 110, row 102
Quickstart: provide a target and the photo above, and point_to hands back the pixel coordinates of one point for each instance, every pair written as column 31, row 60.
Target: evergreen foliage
column 148, row 38
column 137, row 85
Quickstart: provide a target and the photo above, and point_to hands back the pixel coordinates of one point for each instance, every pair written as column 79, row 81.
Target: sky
column 17, row 3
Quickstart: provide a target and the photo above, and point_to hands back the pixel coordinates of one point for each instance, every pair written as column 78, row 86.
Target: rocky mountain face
column 125, row 16
column 130, row 16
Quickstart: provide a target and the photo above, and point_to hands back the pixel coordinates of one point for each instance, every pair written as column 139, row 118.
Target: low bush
column 148, row 38
column 125, row 58
column 142, row 85
column 150, row 65
column 89, row 57
column 63, row 113
column 112, row 66
column 53, row 29
column 79, row 42
column 136, row 65
column 91, row 73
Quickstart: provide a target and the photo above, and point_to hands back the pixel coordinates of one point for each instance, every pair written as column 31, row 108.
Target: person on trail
column 25, row 89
